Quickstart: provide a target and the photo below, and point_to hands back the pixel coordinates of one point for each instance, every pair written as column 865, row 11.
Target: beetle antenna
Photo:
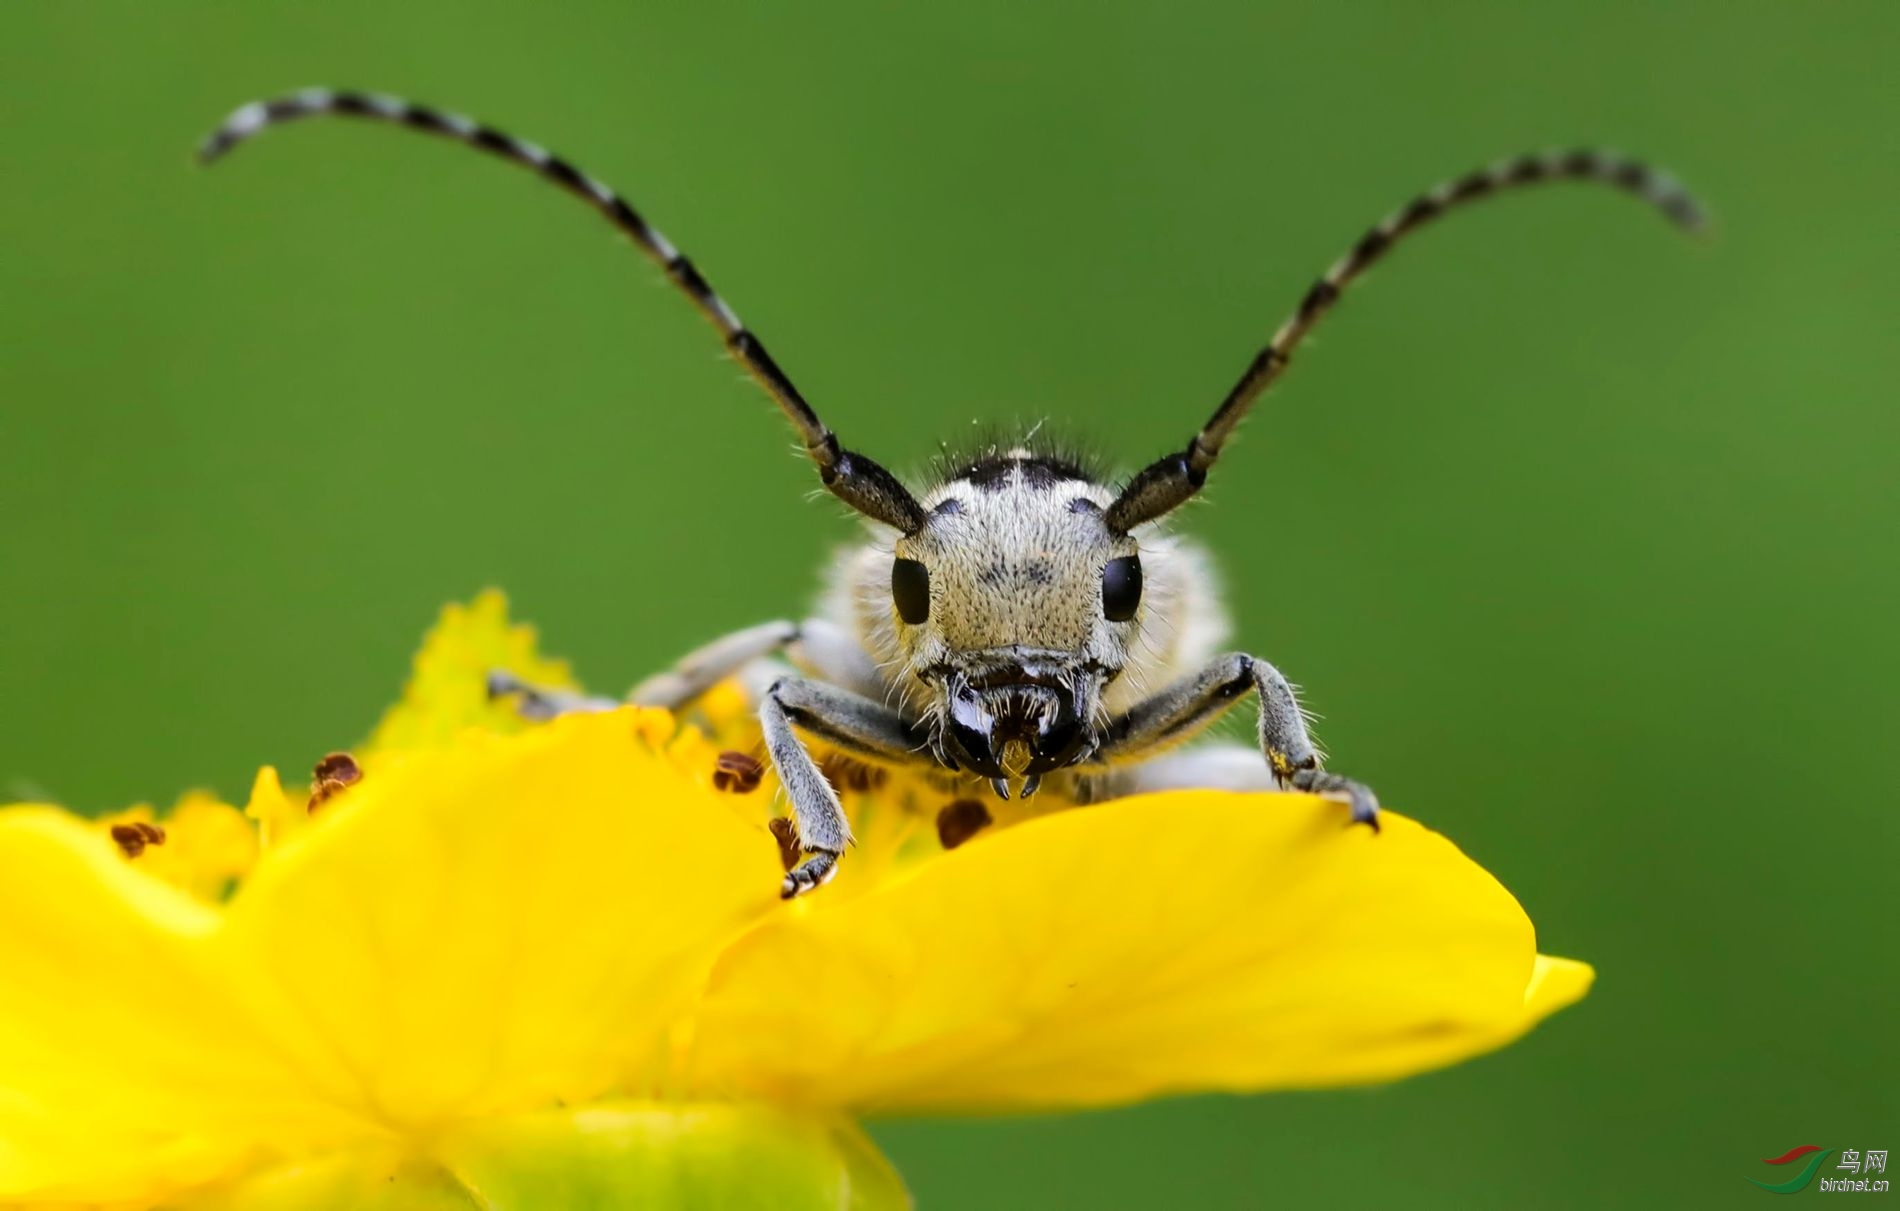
column 1168, row 483
column 853, row 478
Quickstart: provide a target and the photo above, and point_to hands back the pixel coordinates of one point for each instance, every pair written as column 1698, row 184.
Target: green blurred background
column 1595, row 558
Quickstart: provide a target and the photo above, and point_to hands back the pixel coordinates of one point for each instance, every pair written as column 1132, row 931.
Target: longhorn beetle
column 1019, row 620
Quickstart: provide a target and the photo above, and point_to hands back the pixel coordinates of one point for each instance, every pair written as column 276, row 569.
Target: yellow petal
column 623, row 1154
column 211, row 842
column 724, row 1157
column 1194, row 940
column 376, row 1177
column 1556, row 984
column 495, row 925
column 124, row 1068
column 448, row 687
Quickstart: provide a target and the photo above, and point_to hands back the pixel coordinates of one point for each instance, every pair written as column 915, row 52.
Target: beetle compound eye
column 1121, row 588
column 910, row 589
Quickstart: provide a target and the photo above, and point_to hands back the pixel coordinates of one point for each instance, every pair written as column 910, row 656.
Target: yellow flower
column 550, row 968
column 447, row 691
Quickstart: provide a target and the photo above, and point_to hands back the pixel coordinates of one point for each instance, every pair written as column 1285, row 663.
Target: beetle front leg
column 848, row 721
column 748, row 655
column 700, row 670
column 677, row 687
column 539, row 703
column 1189, row 705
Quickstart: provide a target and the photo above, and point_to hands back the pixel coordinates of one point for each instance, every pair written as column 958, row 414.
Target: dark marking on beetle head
column 1038, row 471
column 1017, row 575
column 994, row 456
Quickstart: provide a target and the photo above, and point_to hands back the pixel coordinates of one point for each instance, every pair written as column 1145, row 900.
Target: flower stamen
column 960, row 821
column 786, row 834
column 134, row 837
column 337, row 772
column 737, row 772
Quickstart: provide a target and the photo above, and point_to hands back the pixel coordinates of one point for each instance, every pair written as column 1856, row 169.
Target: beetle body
column 1021, row 619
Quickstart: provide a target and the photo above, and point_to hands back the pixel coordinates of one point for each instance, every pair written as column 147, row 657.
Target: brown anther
column 134, row 837
column 737, row 772
column 849, row 774
column 338, row 767
column 789, row 850
column 336, row 772
column 960, row 821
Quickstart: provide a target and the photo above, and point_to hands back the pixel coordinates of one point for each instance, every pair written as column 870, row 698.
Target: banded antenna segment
column 1171, row 481
column 855, row 479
